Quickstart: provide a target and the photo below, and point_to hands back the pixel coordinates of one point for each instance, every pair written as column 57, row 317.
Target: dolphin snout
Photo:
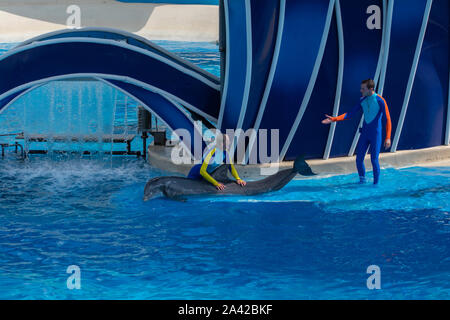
column 150, row 194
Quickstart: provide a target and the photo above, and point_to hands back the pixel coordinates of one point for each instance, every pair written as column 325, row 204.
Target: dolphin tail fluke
column 301, row 167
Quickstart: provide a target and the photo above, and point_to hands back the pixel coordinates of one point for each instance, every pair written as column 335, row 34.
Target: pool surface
column 314, row 239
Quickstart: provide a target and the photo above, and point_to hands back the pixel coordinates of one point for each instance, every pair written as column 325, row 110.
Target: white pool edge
column 159, row 157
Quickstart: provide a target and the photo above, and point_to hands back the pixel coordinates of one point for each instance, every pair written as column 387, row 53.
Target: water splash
column 68, row 112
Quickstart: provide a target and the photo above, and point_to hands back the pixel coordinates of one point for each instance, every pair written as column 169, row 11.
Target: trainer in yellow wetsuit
column 214, row 158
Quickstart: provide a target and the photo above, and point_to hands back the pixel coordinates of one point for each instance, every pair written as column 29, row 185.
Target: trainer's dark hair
column 369, row 83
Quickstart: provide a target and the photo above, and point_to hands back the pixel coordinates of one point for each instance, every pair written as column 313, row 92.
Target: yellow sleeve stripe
column 233, row 169
column 234, row 172
column 203, row 170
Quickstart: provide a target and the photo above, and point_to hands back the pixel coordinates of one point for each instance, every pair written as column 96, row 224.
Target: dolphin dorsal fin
column 301, row 167
column 221, row 173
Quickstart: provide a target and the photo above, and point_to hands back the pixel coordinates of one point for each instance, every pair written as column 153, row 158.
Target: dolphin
column 176, row 188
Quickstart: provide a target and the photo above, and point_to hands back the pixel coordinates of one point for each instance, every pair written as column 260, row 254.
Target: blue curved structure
column 238, row 65
column 53, row 58
column 428, row 83
column 123, row 37
column 165, row 108
column 264, row 29
column 116, row 58
column 321, row 50
column 322, row 100
column 401, row 54
column 173, row 114
column 287, row 95
column 285, row 64
column 361, row 56
column 431, row 86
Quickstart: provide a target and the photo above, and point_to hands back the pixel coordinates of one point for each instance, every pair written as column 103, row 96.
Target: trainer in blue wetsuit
column 376, row 112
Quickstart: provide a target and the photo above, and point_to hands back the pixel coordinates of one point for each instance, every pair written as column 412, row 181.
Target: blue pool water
column 312, row 240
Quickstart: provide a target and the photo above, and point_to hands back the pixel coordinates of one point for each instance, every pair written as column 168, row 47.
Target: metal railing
column 15, row 145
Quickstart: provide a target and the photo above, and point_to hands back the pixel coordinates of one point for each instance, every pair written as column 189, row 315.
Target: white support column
column 447, row 131
column 337, row 99
column 387, row 45
column 248, row 75
column 412, row 75
column 380, row 73
column 227, row 66
column 269, row 82
column 383, row 36
column 312, row 81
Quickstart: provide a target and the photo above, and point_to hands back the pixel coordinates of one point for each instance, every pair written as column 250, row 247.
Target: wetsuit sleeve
column 386, row 117
column 348, row 115
column 203, row 170
column 233, row 170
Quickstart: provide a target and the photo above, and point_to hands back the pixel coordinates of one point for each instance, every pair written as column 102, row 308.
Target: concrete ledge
column 23, row 19
column 159, row 157
column 399, row 159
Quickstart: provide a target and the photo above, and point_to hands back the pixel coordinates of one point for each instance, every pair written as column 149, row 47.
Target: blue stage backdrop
column 285, row 63
column 321, row 51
